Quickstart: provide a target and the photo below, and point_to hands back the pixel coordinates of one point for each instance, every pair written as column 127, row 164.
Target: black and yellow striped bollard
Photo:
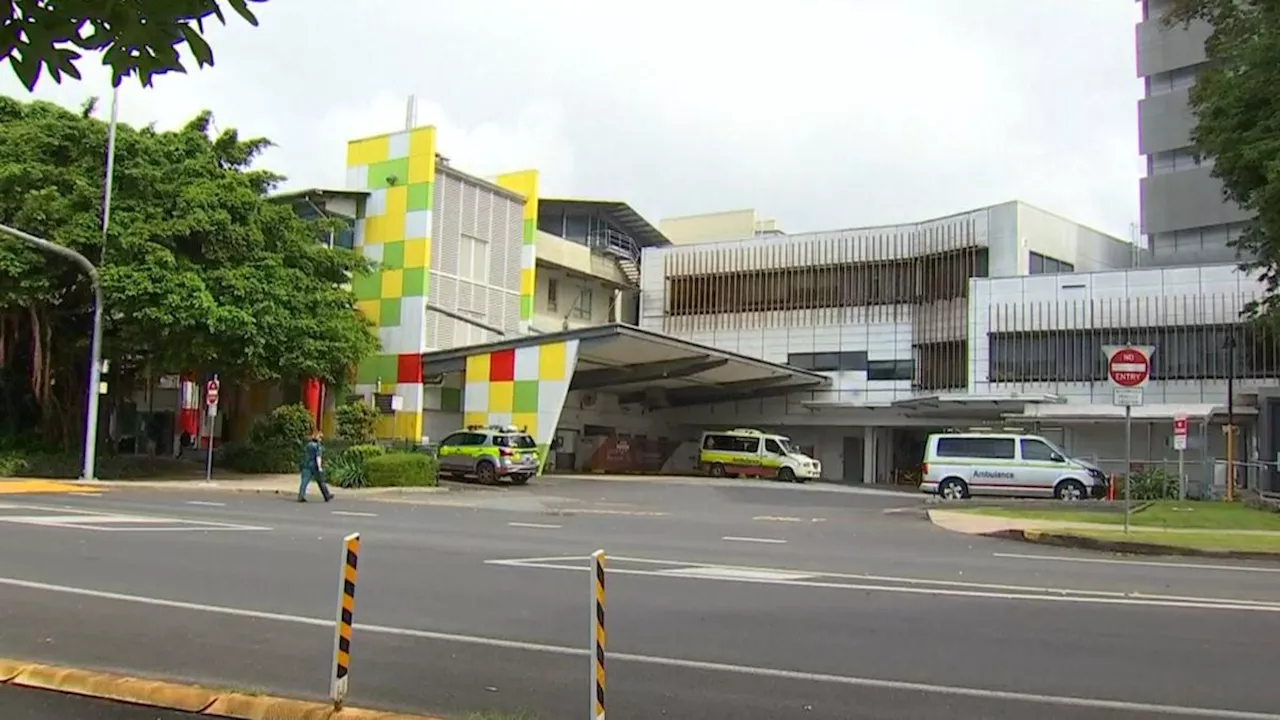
column 346, row 616
column 597, row 635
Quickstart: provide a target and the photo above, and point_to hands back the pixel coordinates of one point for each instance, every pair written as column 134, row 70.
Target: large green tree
column 201, row 270
column 133, row 36
column 1236, row 103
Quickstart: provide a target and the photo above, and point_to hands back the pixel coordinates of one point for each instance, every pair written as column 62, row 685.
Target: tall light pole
column 1230, row 346
column 95, row 342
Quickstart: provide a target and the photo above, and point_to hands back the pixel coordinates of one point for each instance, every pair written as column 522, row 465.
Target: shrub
column 67, row 466
column 274, row 444
column 401, row 470
column 355, row 422
column 1151, row 483
column 347, row 468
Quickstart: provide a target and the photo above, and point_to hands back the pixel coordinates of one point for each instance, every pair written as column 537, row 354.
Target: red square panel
column 409, row 368
column 502, row 366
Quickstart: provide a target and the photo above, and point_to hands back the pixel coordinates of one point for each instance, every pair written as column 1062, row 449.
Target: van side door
column 1042, row 467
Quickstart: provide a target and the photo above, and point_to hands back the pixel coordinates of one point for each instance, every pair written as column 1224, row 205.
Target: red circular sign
column 1129, row 367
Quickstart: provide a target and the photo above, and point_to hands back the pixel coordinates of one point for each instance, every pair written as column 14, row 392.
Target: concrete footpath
column 972, row 523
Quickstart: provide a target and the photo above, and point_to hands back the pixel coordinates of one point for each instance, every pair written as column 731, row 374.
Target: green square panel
column 390, row 313
column 420, row 196
column 526, row 397
column 415, row 282
column 393, row 255
column 529, row 235
column 380, row 172
column 526, row 308
column 367, row 286
column 451, row 399
column 379, row 366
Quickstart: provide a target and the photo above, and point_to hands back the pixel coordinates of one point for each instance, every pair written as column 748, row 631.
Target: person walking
column 313, row 468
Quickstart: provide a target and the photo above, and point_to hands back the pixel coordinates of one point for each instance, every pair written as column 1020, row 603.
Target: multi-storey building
column 1184, row 216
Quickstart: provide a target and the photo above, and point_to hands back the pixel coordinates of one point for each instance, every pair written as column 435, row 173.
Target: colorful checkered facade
column 524, row 386
column 395, row 228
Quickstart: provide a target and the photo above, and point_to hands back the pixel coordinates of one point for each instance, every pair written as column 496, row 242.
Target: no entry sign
column 211, row 393
column 1180, row 433
column 1129, row 366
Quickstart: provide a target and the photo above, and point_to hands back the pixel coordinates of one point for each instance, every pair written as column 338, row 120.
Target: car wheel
column 953, row 489
column 717, row 470
column 786, row 474
column 520, row 479
column 1070, row 491
column 486, row 473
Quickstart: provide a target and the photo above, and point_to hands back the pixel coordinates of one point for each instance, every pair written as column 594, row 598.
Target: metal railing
column 614, row 243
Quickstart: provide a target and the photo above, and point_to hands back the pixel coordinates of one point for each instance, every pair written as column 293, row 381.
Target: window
column 982, row 448
column 1045, row 265
column 454, row 440
column 582, row 308
column 891, row 370
column 772, row 446
column 1038, row 451
column 523, row 442
column 553, row 290
column 732, row 443
column 828, row 361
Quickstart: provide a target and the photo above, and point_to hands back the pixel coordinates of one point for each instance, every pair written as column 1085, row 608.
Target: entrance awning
column 1162, row 412
column 642, row 366
column 956, row 404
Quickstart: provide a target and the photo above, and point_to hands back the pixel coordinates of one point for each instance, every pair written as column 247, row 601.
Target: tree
column 201, row 271
column 1237, row 111
column 134, row 36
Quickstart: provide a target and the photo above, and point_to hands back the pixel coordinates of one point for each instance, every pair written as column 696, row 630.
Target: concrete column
column 870, row 451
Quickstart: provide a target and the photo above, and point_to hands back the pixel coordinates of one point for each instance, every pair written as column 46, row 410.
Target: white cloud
column 822, row 113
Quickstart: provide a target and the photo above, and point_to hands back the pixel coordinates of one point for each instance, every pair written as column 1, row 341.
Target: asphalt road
column 25, row 704
column 723, row 602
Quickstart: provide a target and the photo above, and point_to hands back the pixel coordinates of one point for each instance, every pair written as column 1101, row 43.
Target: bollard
column 346, row 614
column 597, row 635
column 1111, row 487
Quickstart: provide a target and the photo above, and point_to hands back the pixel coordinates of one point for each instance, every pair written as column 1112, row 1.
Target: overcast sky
column 823, row 114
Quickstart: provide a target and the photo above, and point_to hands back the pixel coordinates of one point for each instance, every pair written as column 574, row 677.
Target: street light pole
column 1230, row 346
column 95, row 342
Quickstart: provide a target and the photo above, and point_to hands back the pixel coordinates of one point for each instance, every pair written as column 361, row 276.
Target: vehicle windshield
column 1056, row 448
column 524, row 442
column 787, row 447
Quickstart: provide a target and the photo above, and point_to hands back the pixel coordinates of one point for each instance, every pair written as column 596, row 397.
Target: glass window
column 454, row 440
column 891, row 370
column 1038, row 451
column 981, row 448
column 553, row 290
column 1037, row 264
column 771, row 445
column 826, row 361
column 747, row 445
column 523, row 442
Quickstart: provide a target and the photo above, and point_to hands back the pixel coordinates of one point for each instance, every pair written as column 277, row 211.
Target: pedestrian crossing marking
column 68, row 518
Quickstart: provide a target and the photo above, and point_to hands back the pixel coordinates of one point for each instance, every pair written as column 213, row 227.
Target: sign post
column 1180, row 444
column 1128, row 370
column 211, row 403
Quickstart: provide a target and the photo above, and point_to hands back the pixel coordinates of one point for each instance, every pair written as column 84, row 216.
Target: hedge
column 67, row 466
column 401, row 470
column 347, row 468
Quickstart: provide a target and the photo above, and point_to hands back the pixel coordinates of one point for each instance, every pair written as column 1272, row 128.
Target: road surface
column 723, row 603
column 27, row 704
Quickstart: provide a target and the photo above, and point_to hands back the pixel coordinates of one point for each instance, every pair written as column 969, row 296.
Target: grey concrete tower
column 1184, row 216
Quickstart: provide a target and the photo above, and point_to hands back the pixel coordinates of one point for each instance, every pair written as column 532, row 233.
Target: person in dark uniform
column 313, row 468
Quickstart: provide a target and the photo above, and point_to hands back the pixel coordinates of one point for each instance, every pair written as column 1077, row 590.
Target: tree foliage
column 200, row 270
column 134, row 36
column 1237, row 110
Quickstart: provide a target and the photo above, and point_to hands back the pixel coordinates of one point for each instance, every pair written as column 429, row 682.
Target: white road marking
column 1146, row 563
column 206, row 503
column 733, row 573
column 601, row 511
column 908, row 586
column 69, row 517
column 352, row 513
column 757, row 671
column 540, row 526
column 767, row 541
column 778, row 518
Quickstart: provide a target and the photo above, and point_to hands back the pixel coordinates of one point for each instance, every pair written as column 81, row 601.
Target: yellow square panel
column 397, row 200
column 385, row 426
column 478, row 368
column 528, row 421
column 422, row 168
column 368, row 151
column 373, row 232
column 475, row 418
column 526, row 282
column 384, row 229
column 417, row 253
column 502, row 396
column 392, row 284
column 551, row 359
column 408, row 425
column 422, row 141
column 371, row 309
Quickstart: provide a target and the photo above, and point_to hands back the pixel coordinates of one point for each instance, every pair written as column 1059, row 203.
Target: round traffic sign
column 211, row 393
column 1129, row 367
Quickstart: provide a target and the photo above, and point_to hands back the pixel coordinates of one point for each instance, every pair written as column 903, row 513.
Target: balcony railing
column 614, row 243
